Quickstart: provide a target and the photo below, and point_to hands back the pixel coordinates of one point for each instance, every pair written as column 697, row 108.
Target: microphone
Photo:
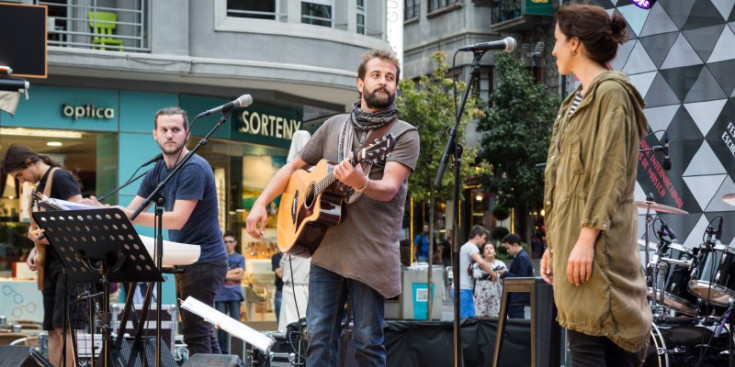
column 153, row 160
column 718, row 233
column 242, row 101
column 668, row 230
column 708, row 237
column 508, row 44
column 667, row 161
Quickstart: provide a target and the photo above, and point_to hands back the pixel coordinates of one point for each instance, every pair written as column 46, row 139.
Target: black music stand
column 99, row 246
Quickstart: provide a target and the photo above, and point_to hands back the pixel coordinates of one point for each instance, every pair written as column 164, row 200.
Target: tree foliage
column 429, row 105
column 516, row 130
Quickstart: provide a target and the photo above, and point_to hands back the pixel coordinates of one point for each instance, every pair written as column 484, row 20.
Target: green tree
column 516, row 130
column 428, row 104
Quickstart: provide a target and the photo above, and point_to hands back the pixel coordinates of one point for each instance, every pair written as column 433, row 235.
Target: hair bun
column 618, row 28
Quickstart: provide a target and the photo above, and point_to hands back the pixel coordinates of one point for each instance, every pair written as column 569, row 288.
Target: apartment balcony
column 521, row 15
column 124, row 26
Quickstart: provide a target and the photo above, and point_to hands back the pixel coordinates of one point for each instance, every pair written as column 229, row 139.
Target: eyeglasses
column 230, row 241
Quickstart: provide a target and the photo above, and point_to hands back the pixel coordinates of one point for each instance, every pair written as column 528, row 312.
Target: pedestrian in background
column 229, row 294
column 488, row 291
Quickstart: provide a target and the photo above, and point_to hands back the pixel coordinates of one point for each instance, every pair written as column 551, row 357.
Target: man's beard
column 171, row 151
column 375, row 101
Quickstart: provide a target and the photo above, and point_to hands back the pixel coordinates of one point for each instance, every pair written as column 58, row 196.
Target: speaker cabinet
column 167, row 359
column 211, row 360
column 16, row 356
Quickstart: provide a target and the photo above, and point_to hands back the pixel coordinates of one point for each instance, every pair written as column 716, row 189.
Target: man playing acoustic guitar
column 358, row 257
column 53, row 181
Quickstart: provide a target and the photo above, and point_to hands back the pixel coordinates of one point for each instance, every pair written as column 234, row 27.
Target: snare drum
column 714, row 277
column 672, row 282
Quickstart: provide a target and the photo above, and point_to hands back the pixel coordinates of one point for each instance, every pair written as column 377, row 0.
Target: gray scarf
column 362, row 122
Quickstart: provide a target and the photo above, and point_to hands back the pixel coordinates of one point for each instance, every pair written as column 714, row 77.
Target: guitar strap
column 41, row 248
column 49, row 182
column 373, row 135
column 378, row 133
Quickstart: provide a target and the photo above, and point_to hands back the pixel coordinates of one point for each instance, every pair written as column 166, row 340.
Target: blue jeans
column 231, row 308
column 201, row 282
column 466, row 303
column 328, row 293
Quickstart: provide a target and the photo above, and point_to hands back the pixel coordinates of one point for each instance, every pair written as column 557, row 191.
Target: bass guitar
column 314, row 200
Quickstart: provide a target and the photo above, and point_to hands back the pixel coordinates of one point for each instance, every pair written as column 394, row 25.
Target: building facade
column 448, row 25
column 680, row 57
column 113, row 64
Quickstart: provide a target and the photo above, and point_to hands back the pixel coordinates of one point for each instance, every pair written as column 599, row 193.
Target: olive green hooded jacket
column 589, row 181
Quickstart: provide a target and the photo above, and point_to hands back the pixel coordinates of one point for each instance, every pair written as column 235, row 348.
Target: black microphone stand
column 160, row 201
column 115, row 190
column 455, row 149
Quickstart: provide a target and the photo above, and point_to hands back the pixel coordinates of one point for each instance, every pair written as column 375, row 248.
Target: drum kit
column 691, row 292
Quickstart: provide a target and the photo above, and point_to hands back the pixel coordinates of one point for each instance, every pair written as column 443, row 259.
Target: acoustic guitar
column 314, row 200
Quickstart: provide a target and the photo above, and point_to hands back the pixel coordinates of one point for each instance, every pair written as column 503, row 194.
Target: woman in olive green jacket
column 592, row 258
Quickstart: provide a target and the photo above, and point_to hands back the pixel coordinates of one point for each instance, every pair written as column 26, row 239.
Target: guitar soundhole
column 309, row 197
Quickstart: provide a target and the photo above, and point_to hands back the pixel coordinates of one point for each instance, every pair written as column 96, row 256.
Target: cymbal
column 729, row 198
column 660, row 207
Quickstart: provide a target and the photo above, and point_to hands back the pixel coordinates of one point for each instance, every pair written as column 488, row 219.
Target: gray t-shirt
column 365, row 245
column 465, row 259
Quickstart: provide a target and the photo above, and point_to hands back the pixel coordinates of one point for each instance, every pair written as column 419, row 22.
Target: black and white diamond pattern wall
column 681, row 57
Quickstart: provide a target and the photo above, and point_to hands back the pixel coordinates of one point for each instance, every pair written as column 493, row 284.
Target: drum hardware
column 698, row 283
column 668, row 283
column 688, row 264
column 725, row 317
column 651, row 245
column 713, row 279
column 650, row 205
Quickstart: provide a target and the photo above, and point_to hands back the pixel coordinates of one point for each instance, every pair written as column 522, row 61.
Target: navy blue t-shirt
column 195, row 181
column 231, row 290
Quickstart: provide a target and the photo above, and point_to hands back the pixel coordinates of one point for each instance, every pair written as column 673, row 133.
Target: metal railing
column 503, row 10
column 279, row 17
column 70, row 25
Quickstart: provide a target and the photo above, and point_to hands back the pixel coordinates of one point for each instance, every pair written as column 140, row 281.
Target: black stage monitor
column 23, row 39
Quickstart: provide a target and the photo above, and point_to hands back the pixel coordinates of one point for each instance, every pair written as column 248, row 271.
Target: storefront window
column 242, row 170
column 84, row 154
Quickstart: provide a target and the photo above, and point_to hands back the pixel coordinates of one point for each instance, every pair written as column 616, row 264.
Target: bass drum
column 689, row 343
column 656, row 355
